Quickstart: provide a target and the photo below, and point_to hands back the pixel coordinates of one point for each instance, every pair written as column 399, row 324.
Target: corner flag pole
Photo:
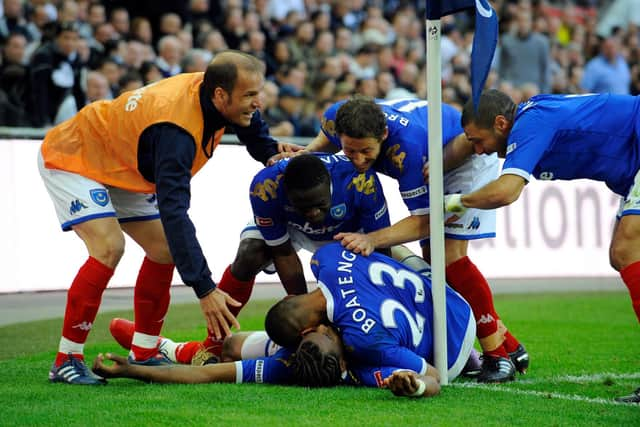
column 436, row 212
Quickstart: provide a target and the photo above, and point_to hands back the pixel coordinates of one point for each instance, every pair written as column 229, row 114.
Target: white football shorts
column 77, row 199
column 630, row 205
column 470, row 176
column 299, row 240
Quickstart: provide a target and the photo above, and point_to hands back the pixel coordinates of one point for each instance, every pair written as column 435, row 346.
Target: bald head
column 223, row 70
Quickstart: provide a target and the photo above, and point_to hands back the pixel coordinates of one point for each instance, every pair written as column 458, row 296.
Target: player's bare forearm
column 500, row 192
column 290, row 271
column 409, row 229
column 321, row 144
column 177, row 374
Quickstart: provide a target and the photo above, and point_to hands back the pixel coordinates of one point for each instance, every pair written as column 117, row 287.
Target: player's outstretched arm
column 411, row 384
column 321, row 144
column 409, row 229
column 178, row 374
column 500, row 192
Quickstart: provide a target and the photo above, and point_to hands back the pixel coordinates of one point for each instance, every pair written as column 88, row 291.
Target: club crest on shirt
column 396, row 157
column 339, row 211
column 329, row 126
column 99, row 196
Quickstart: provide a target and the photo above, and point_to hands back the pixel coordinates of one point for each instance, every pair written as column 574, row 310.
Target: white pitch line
column 544, row 394
column 582, row 379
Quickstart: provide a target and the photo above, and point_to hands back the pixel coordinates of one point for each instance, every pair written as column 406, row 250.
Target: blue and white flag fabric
column 484, row 39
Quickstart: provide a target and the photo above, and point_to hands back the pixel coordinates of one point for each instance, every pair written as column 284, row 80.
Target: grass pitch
column 584, row 351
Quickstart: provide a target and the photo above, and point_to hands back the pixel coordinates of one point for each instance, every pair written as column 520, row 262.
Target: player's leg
column 239, row 277
column 84, row 206
column 624, row 254
column 152, row 290
column 465, row 277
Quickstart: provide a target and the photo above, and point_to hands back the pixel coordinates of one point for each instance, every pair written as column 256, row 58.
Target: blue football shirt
column 357, row 203
column 384, row 310
column 592, row 136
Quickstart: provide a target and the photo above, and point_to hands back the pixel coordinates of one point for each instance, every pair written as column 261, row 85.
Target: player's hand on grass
column 217, row 314
column 114, row 370
column 358, row 243
column 408, row 383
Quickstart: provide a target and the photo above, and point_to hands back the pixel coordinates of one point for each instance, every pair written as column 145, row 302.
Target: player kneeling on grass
column 253, row 358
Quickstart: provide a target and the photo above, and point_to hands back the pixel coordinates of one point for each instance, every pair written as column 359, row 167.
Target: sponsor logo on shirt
column 511, row 147
column 381, row 212
column 414, row 193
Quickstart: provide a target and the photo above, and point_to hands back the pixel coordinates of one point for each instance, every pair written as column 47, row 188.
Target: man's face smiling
column 239, row 106
column 362, row 152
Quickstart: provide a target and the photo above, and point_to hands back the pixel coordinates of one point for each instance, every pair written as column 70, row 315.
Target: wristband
column 420, row 391
column 453, row 204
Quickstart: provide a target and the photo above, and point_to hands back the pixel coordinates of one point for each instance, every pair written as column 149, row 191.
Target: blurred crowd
column 57, row 56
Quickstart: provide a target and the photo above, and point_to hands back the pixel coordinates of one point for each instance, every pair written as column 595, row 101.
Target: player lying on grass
column 251, row 357
column 385, row 322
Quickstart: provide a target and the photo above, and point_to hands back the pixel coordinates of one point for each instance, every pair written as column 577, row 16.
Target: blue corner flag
column 484, row 40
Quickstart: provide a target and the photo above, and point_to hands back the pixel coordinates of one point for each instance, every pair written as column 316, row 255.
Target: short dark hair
column 492, row 103
column 222, row 71
column 280, row 324
column 361, row 117
column 304, row 172
column 313, row 368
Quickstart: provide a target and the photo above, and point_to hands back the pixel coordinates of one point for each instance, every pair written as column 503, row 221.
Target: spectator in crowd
column 169, row 54
column 524, row 55
column 131, row 80
column 608, row 72
column 119, row 19
column 141, row 30
column 13, row 20
column 290, row 108
column 14, row 82
column 196, row 60
column 277, row 126
column 55, row 74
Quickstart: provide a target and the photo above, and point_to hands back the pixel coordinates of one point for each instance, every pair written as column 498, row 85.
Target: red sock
column 83, row 302
column 150, row 304
column 186, row 351
column 631, row 277
column 510, row 342
column 238, row 290
column 464, row 277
